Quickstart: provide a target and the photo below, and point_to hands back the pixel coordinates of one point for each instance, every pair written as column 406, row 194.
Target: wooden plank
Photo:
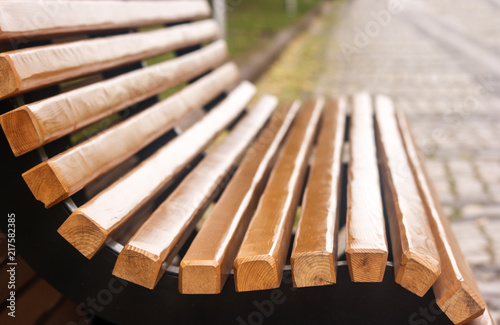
column 33, row 125
column 90, row 225
column 456, row 290
column 35, row 67
column 416, row 260
column 22, row 20
column 261, row 258
column 153, row 247
column 209, row 260
column 366, row 243
column 63, row 175
column 314, row 259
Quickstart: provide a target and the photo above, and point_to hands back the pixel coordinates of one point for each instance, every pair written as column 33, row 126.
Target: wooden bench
column 180, row 188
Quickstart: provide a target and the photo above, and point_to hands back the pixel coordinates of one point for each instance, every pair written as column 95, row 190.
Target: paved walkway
column 440, row 62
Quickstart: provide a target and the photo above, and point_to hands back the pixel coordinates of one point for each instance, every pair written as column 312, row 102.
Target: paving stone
column 494, row 191
column 448, row 210
column 443, row 190
column 492, row 229
column 472, row 242
column 489, row 171
column 470, row 211
column 470, row 189
column 461, row 167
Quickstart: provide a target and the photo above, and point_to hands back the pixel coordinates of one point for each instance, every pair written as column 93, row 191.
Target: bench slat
column 456, row 290
column 22, row 20
column 366, row 243
column 416, row 260
column 33, row 125
column 90, row 225
column 73, row 169
column 261, row 258
column 314, row 252
column 209, row 260
column 36, row 67
column 155, row 244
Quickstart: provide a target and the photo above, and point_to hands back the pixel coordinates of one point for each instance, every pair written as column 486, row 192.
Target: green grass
column 253, row 23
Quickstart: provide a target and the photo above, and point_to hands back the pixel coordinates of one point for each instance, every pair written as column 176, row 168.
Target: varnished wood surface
column 155, row 244
column 261, row 258
column 73, row 169
column 31, row 68
column 90, row 225
column 456, row 290
column 209, row 260
column 33, row 125
column 314, row 254
column 22, row 20
column 366, row 243
column 416, row 259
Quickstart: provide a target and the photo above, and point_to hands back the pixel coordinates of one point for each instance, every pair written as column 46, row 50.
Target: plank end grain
column 21, row 130
column 417, row 273
column 257, row 272
column 46, row 185
column 9, row 81
column 138, row 266
column 83, row 233
column 461, row 304
column 200, row 277
column 367, row 265
column 313, row 269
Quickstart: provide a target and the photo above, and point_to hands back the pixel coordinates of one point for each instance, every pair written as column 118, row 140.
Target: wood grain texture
column 456, row 290
column 366, row 243
column 31, row 68
column 152, row 248
column 261, row 258
column 27, row 19
column 209, row 260
column 416, row 259
column 9, row 81
column 314, row 251
column 74, row 168
column 90, row 225
column 33, row 125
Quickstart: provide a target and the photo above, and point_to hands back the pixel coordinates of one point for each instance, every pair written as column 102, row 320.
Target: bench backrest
column 92, row 102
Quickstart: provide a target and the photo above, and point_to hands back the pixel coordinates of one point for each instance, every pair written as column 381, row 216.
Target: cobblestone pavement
column 440, row 62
